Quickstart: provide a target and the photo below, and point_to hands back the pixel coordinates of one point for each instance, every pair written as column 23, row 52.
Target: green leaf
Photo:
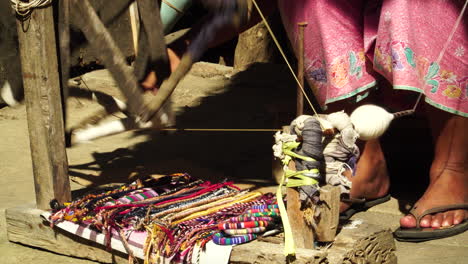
column 359, row 72
column 352, row 62
column 434, row 84
column 410, row 57
column 432, row 71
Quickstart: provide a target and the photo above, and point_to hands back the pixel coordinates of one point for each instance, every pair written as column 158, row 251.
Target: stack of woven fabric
column 178, row 213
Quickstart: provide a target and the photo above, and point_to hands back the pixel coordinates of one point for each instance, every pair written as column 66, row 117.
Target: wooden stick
column 135, row 23
column 154, row 29
column 300, row 69
column 103, row 43
column 38, row 51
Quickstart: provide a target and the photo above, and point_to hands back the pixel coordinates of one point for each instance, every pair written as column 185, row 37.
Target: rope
column 441, row 55
column 24, row 9
column 285, row 59
column 223, row 129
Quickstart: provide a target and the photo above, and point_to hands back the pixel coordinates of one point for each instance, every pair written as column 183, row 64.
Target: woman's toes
column 448, row 219
column 459, row 216
column 408, row 221
column 426, row 221
column 437, row 220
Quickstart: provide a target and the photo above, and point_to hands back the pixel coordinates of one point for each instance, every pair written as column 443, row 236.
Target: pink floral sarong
column 348, row 43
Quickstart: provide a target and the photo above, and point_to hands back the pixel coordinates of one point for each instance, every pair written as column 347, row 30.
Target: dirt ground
column 211, row 96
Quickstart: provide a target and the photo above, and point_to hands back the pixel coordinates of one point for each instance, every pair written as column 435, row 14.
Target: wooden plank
column 329, row 206
column 366, row 243
column 38, row 52
column 25, row 226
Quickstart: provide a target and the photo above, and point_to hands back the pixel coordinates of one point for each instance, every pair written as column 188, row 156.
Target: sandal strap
column 438, row 209
column 353, row 200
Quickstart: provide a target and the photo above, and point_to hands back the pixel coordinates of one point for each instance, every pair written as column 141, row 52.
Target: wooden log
column 366, row 243
column 329, row 207
column 303, row 234
column 38, row 52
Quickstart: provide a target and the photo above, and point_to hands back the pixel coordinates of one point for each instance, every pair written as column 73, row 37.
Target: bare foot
column 371, row 180
column 151, row 80
column 447, row 189
column 448, row 176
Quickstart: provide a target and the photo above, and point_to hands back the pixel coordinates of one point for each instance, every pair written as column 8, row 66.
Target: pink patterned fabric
column 349, row 43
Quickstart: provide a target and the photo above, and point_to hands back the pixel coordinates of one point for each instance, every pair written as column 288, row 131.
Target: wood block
column 329, row 213
column 25, row 226
column 366, row 243
column 303, row 234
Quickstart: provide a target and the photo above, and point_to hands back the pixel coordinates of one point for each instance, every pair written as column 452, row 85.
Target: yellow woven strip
column 244, row 198
column 289, row 246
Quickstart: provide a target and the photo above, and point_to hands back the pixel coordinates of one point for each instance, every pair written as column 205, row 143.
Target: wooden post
column 38, row 52
column 300, row 69
column 303, row 233
column 329, row 207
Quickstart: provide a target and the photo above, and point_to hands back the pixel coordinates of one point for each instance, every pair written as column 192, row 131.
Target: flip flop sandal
column 361, row 205
column 420, row 234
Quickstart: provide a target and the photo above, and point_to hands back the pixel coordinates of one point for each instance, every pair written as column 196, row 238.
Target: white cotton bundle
column 340, row 120
column 371, row 121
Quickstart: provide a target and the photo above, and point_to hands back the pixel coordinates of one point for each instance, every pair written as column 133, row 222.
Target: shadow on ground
column 259, row 97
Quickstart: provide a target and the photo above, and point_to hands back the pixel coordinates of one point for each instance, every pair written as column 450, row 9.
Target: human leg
column 448, row 174
column 371, row 179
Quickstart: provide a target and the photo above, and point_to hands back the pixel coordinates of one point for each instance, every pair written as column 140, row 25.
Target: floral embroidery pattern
column 452, row 91
column 422, row 64
column 387, row 16
column 396, row 63
column 382, row 60
column 319, row 75
column 397, row 56
column 410, row 57
column 343, row 68
column 448, row 76
column 339, row 72
column 431, row 73
column 460, row 51
column 355, row 68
